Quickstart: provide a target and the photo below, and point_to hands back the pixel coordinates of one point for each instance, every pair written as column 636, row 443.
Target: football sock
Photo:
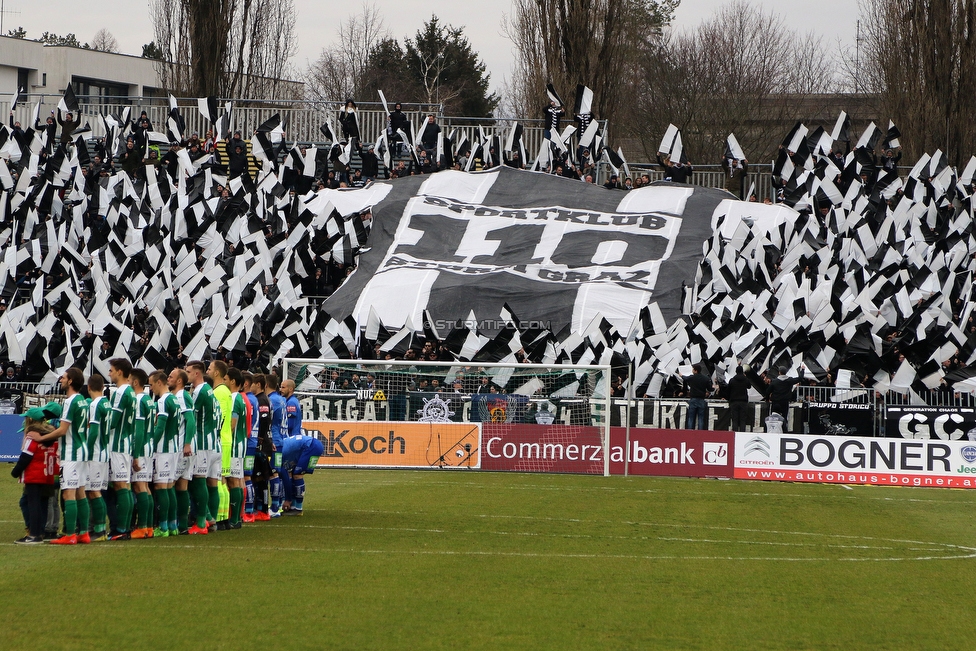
column 162, row 497
column 182, row 509
column 124, row 507
column 83, row 515
column 287, row 490
column 98, row 514
column 248, row 497
column 199, row 487
column 171, row 515
column 70, row 517
column 276, row 490
column 299, row 488
column 213, row 505
column 236, row 496
column 144, row 506
column 223, row 506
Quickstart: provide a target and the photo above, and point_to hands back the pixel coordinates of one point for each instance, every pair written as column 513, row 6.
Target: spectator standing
column 552, row 115
column 68, row 126
column 431, row 131
column 399, row 122
column 735, row 175
column 699, row 387
column 349, row 122
column 739, row 399
column 781, row 391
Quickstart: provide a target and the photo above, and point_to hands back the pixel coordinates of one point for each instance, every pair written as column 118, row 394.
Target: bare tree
column 920, row 57
column 570, row 42
column 341, row 69
column 224, row 47
column 103, row 41
column 262, row 43
column 743, row 71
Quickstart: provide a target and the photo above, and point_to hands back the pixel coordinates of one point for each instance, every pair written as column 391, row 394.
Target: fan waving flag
column 671, row 136
column 551, row 92
column 891, row 138
column 732, row 148
column 842, row 128
column 584, row 100
column 68, row 103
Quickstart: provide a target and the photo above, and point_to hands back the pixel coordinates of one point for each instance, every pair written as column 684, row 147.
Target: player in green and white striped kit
column 238, row 450
column 142, row 454
column 120, row 457
column 166, row 441
column 186, row 449
column 74, row 458
column 99, row 422
column 206, row 470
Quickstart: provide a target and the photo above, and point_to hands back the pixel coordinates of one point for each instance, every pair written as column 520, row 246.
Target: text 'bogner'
column 890, row 455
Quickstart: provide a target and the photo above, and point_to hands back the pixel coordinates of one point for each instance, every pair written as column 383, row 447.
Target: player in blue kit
column 298, row 458
column 293, row 408
column 277, row 401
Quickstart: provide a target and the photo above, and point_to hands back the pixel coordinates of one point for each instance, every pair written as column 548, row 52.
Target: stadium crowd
column 190, row 452
column 68, row 203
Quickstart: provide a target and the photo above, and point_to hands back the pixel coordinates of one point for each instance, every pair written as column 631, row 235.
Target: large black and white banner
column 557, row 251
column 921, row 422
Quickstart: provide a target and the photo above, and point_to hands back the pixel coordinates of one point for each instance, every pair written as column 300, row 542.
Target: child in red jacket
column 37, row 468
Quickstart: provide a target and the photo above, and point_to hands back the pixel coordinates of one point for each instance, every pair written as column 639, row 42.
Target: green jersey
column 74, row 445
column 142, row 440
column 99, row 426
column 188, row 421
column 207, row 413
column 238, row 432
column 167, row 430
column 123, row 419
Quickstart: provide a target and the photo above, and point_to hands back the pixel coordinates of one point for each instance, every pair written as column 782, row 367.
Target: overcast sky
column 318, row 19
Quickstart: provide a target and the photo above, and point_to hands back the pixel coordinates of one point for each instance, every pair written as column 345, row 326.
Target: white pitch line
column 586, row 536
column 619, row 489
column 506, row 554
column 683, row 526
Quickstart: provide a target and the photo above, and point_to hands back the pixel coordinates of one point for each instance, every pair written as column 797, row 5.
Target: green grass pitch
column 464, row 560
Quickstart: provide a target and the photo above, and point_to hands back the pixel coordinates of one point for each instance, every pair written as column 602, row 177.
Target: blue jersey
column 277, row 417
column 252, row 436
column 300, row 453
column 293, row 416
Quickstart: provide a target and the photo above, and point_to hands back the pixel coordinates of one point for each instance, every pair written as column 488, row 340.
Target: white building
column 42, row 69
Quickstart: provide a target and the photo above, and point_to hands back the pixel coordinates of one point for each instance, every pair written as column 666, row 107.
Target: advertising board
column 397, row 445
column 542, row 448
column 851, row 460
column 672, row 453
column 922, row 422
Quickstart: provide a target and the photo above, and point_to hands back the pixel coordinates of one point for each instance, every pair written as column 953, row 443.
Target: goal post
column 493, row 416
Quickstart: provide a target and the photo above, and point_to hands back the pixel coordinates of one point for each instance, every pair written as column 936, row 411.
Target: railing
column 713, row 176
column 303, row 119
column 935, row 398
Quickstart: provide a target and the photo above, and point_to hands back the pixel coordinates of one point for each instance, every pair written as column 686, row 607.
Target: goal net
column 523, row 417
